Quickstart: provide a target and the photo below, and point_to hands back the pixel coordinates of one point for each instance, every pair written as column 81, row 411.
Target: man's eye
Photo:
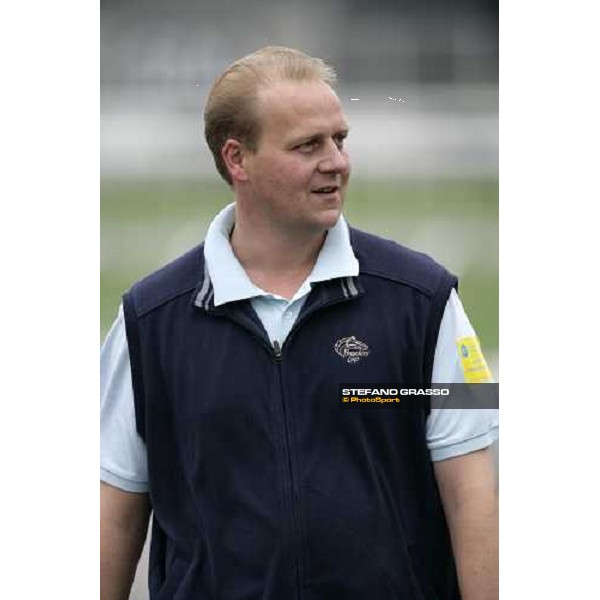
column 307, row 146
column 339, row 140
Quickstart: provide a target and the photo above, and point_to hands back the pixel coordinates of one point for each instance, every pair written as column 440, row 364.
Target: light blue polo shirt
column 123, row 453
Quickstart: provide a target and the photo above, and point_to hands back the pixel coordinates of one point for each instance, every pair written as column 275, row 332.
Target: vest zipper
column 277, row 354
column 277, row 351
column 296, row 533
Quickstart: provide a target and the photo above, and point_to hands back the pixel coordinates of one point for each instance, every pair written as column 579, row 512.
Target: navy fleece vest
column 262, row 487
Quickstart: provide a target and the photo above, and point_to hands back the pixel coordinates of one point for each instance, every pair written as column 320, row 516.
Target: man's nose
column 335, row 160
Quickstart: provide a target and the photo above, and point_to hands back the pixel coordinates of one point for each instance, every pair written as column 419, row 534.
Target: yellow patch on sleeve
column 473, row 362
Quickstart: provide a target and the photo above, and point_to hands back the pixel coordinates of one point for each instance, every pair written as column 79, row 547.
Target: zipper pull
column 277, row 350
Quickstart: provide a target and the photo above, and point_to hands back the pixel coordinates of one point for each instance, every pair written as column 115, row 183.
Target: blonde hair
column 231, row 107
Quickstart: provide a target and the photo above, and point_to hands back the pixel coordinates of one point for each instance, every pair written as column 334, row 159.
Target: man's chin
column 330, row 217
column 325, row 220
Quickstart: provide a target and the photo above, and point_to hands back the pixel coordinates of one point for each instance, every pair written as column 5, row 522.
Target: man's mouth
column 327, row 189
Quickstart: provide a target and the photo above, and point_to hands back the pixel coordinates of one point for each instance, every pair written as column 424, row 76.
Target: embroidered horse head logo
column 351, row 349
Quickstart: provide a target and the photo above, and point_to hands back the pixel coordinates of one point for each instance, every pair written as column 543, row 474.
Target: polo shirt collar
column 231, row 283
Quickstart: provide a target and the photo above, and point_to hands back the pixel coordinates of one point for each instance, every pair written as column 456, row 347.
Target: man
column 220, row 405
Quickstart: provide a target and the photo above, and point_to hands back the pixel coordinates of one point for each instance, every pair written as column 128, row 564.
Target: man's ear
column 233, row 153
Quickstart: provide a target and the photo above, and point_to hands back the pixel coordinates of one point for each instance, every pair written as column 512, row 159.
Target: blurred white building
column 159, row 59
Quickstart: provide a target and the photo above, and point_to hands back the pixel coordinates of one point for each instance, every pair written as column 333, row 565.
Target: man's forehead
column 299, row 106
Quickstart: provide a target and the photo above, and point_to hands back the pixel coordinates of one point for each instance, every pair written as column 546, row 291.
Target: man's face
column 300, row 152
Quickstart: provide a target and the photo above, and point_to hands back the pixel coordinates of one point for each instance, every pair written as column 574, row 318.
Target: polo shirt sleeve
column 454, row 432
column 123, row 461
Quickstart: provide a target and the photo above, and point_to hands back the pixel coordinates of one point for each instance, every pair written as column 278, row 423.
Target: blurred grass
column 479, row 294
column 145, row 224
column 135, row 201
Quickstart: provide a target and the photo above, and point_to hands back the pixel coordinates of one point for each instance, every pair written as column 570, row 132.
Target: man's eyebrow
column 317, row 137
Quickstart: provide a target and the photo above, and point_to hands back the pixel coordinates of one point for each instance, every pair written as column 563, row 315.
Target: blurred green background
column 145, row 224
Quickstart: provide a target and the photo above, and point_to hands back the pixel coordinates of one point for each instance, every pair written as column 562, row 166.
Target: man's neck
column 277, row 261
